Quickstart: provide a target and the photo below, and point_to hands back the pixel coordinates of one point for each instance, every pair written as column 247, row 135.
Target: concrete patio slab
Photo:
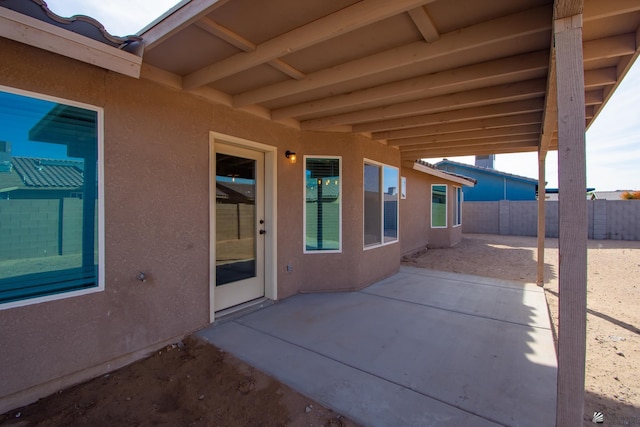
column 419, row 348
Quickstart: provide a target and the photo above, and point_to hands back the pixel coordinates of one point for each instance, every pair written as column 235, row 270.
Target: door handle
column 263, row 231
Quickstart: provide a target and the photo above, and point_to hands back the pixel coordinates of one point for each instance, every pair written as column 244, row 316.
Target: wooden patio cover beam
column 490, row 73
column 343, row 21
column 572, row 211
column 478, row 97
column 462, row 126
column 493, row 32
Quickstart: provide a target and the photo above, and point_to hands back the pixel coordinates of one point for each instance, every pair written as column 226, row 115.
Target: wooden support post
column 572, row 221
column 542, row 155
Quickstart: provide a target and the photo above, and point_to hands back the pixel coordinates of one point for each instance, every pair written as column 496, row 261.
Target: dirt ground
column 190, row 383
column 613, row 304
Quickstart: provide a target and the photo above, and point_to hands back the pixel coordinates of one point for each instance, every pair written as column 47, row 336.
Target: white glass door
column 240, row 226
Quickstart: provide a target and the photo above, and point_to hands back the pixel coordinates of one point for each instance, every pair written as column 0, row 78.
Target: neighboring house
column 192, row 203
column 492, row 184
column 551, row 194
column 36, row 178
column 438, row 194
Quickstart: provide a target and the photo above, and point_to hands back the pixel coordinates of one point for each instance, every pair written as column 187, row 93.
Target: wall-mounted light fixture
column 291, row 156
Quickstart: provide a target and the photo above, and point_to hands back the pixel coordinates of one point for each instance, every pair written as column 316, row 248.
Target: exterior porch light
column 291, row 155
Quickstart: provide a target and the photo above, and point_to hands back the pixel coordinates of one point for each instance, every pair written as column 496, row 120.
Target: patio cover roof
column 431, row 77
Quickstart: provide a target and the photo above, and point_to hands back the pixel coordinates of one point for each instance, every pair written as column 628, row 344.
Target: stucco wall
column 156, row 150
column 415, row 214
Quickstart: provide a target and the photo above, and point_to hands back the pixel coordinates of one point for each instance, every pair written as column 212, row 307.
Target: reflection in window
column 49, row 234
column 235, row 218
column 457, row 208
column 322, row 204
column 380, row 204
column 438, row 206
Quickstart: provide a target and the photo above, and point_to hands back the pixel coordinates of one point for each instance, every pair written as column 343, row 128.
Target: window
column 380, row 204
column 438, row 206
column 457, row 207
column 51, row 238
column 322, row 212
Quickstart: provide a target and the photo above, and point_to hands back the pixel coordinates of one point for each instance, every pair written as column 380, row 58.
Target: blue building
column 491, row 184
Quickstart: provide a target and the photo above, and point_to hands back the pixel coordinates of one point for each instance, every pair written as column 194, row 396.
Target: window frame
column 457, row 206
column 446, row 205
column 304, row 206
column 100, row 282
column 381, row 167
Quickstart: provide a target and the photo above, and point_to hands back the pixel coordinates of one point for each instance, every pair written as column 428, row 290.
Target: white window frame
column 446, row 205
column 304, row 206
column 458, row 196
column 381, row 189
column 101, row 244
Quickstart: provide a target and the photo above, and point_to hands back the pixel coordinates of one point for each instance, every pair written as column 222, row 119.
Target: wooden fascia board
column 550, row 112
column 33, row 32
column 471, row 151
column 492, row 32
column 440, row 174
column 478, row 97
column 348, row 19
column 490, row 73
column 530, row 138
column 180, row 17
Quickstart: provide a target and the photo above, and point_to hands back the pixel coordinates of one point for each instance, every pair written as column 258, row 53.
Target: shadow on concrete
column 419, row 348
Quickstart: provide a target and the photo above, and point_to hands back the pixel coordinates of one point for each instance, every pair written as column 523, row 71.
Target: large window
column 322, row 213
column 380, row 204
column 51, row 239
column 457, row 207
column 438, row 206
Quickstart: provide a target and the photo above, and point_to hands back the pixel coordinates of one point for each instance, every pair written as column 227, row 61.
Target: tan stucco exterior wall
column 156, row 151
column 415, row 214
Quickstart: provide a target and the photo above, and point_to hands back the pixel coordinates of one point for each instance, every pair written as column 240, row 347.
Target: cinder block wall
column 607, row 219
column 33, row 228
column 481, row 217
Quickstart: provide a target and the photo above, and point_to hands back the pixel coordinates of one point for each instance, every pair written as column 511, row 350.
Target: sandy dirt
column 613, row 303
column 190, row 384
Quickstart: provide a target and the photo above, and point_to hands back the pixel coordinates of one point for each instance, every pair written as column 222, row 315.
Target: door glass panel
column 235, row 218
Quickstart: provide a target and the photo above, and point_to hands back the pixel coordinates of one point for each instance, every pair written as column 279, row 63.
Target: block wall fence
column 607, row 219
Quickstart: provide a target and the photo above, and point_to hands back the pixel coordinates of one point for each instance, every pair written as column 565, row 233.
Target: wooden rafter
column 234, row 39
column 475, row 76
column 457, row 115
column 419, row 142
column 479, row 97
column 425, row 25
column 348, row 19
column 491, row 33
column 462, row 126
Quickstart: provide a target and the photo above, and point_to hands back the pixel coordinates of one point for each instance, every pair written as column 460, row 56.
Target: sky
column 613, row 140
